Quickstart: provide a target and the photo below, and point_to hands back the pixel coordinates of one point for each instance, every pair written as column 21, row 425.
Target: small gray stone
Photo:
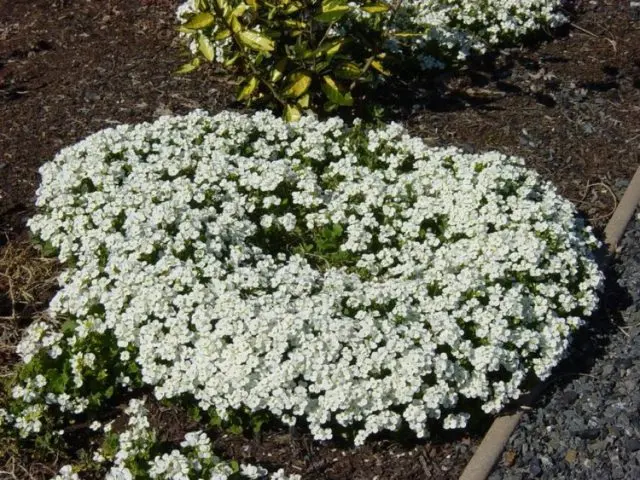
column 632, row 444
column 589, row 433
column 569, row 397
column 535, row 467
column 608, row 370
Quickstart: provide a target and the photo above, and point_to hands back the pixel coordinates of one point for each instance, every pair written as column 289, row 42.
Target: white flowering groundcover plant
column 351, row 278
column 131, row 455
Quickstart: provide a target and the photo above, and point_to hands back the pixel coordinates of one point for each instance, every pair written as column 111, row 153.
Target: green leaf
column 232, row 60
column 333, row 92
column 303, row 101
column 299, row 83
column 189, row 67
column 68, row 327
column 247, row 89
column 235, row 24
column 278, row 70
column 222, row 34
column 256, row 41
column 48, row 250
column 206, row 47
column 214, row 418
column 235, row 429
column 293, row 7
column 57, row 381
column 406, row 34
column 108, row 393
column 253, row 4
column 184, row 29
column 332, row 16
column 376, row 7
column 320, row 66
column 240, row 9
column 329, row 5
column 295, row 24
column 332, row 10
column 257, row 420
column 330, row 107
column 223, row 5
column 378, row 66
column 348, row 70
column 291, row 113
column 200, row 20
column 194, row 413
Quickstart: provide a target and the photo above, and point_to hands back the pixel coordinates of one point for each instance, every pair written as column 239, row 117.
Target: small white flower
column 288, row 221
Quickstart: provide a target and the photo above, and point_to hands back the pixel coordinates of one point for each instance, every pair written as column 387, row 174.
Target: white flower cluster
column 464, row 26
column 66, row 473
column 195, row 458
column 347, row 276
column 456, row 27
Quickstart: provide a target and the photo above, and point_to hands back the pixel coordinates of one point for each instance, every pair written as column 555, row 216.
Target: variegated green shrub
column 291, row 55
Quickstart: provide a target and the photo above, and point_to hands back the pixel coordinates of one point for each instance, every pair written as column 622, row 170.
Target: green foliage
column 293, row 55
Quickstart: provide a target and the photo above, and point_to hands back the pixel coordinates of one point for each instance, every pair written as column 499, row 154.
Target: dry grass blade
column 26, row 278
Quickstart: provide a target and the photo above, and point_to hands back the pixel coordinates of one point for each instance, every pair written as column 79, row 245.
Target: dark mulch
column 569, row 104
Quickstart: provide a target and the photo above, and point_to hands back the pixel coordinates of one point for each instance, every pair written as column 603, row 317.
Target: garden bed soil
column 569, row 104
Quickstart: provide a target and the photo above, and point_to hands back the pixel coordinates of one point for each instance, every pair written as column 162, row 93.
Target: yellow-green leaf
column 334, row 47
column 293, row 7
column 253, row 4
column 222, row 34
column 378, row 66
column 332, row 10
column 320, row 66
column 206, row 47
column 295, row 24
column 303, row 101
column 232, row 60
column 278, row 70
column 333, row 15
column 223, row 5
column 189, row 67
column 247, row 89
column 200, row 20
column 184, row 29
column 376, row 7
column 328, row 5
column 240, row 9
column 292, row 113
column 256, row 41
column 299, row 83
column 333, row 92
column 406, row 34
column 330, row 106
column 348, row 70
column 235, row 25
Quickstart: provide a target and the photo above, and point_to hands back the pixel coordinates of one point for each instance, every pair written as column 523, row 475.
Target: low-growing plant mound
column 353, row 278
column 299, row 54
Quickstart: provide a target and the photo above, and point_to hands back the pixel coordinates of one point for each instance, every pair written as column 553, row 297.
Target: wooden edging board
column 493, row 443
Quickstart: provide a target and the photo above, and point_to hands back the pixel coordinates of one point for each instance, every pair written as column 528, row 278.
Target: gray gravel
column 587, row 425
